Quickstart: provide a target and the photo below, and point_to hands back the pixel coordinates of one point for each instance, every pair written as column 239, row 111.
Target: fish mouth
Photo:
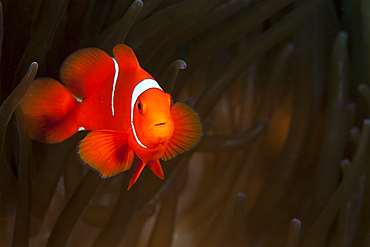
column 160, row 131
column 160, row 124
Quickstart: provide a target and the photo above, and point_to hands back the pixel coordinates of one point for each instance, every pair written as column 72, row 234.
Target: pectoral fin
column 106, row 152
column 187, row 130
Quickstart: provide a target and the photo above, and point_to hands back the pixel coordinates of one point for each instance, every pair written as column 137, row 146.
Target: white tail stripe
column 116, row 69
column 140, row 88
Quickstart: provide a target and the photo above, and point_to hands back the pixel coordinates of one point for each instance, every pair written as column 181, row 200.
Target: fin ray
column 85, row 69
column 187, row 131
column 47, row 108
column 106, row 152
column 135, row 175
column 125, row 57
column 156, row 169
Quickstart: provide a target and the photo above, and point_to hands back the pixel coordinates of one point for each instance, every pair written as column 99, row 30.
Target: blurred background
column 282, row 88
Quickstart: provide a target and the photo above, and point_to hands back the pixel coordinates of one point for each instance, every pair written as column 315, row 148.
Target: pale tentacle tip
column 345, row 164
column 34, row 66
column 296, row 221
column 346, row 160
column 344, row 33
column 241, row 195
column 191, row 101
column 351, row 104
column 291, row 46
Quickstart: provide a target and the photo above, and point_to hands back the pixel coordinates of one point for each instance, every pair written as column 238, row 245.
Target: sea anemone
column 283, row 91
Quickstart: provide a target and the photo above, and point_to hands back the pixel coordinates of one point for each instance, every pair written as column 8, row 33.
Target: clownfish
column 124, row 109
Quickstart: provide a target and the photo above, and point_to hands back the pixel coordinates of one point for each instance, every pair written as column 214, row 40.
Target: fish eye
column 140, row 106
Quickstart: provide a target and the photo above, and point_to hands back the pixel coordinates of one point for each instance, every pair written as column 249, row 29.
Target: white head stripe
column 140, row 88
column 116, row 71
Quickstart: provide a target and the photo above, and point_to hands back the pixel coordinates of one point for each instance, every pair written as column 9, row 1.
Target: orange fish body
column 125, row 109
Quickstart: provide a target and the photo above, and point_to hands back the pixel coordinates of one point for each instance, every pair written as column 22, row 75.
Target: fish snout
column 161, row 131
column 161, row 125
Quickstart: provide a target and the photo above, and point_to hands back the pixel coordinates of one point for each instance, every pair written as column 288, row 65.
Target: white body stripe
column 140, row 88
column 116, row 69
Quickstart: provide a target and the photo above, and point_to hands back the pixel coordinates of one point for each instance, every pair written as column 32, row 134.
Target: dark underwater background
column 282, row 88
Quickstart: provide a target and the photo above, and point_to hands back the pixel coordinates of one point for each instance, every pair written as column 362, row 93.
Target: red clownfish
column 125, row 109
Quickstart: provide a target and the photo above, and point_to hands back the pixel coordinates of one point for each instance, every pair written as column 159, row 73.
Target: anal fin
column 154, row 166
column 156, row 169
column 135, row 175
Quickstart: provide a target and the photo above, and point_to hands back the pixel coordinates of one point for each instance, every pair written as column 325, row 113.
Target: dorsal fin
column 85, row 69
column 125, row 57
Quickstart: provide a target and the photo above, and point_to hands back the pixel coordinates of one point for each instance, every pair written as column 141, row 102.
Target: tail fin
column 47, row 108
